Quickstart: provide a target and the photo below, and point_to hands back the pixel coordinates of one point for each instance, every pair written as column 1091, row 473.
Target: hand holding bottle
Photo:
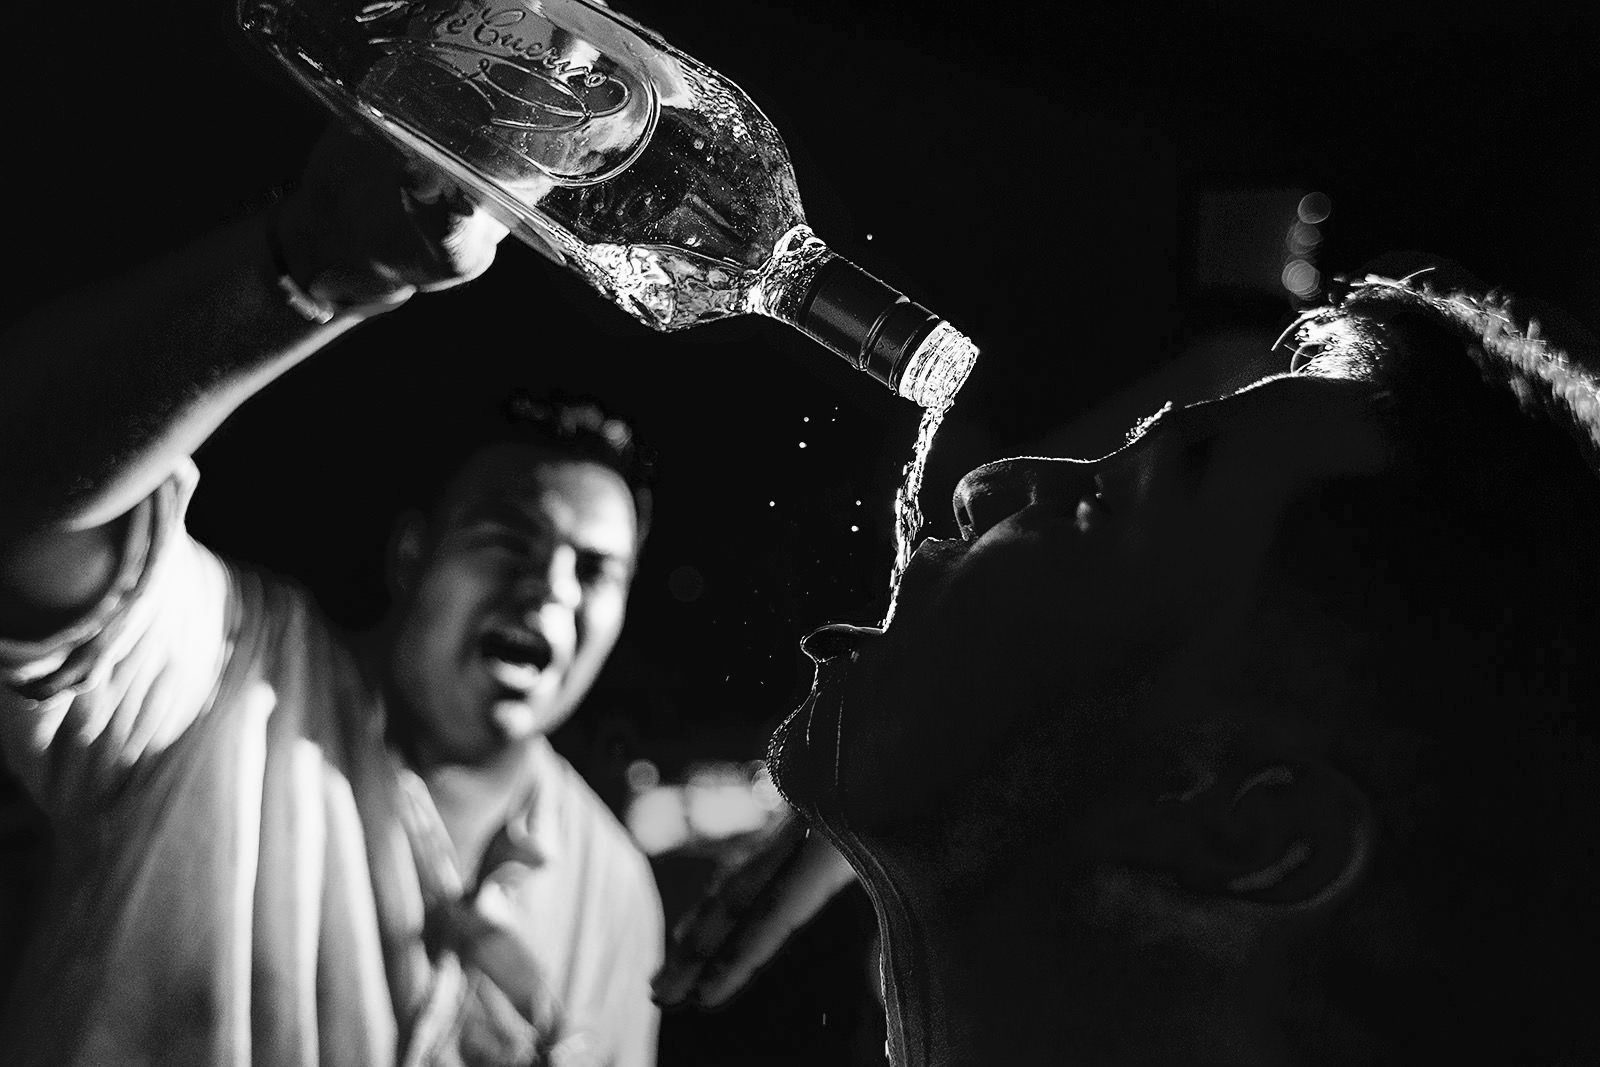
column 748, row 914
column 366, row 227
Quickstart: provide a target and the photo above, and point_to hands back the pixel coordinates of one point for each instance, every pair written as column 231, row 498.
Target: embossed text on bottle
column 501, row 77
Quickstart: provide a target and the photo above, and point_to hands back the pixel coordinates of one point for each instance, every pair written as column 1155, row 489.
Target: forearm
column 106, row 391
column 108, row 388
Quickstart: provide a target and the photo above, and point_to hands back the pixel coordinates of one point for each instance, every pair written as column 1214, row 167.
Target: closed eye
column 502, row 539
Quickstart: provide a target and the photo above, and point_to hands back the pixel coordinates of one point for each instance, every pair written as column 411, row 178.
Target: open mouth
column 516, row 657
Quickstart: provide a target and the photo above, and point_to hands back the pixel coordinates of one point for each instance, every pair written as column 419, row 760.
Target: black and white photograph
column 606, row 533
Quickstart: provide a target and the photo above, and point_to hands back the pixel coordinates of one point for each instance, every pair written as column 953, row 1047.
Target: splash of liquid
column 669, row 288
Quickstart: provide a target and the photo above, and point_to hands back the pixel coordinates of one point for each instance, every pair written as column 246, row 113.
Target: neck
column 1010, row 972
column 473, row 800
column 970, row 984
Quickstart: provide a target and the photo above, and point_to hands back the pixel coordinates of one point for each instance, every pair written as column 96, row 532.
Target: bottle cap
column 873, row 326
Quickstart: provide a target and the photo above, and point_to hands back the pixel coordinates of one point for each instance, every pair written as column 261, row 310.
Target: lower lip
column 517, row 677
column 837, row 640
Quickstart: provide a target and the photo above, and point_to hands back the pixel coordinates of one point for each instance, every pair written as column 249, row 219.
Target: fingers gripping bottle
column 615, row 155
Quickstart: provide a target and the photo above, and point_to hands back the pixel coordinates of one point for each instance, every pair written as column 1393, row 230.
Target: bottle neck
column 872, row 326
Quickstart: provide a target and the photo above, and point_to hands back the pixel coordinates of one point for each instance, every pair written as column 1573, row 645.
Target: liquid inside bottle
column 613, row 153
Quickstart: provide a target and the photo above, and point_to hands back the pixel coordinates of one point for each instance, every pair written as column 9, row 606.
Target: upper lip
column 921, row 578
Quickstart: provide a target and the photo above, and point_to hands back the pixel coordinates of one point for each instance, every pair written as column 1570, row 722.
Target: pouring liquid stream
column 907, row 506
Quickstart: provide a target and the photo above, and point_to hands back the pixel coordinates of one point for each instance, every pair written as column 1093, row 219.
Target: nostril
column 994, row 492
column 988, row 494
column 976, row 516
column 964, row 522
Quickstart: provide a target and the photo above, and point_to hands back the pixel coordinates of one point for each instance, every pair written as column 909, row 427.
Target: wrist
column 310, row 292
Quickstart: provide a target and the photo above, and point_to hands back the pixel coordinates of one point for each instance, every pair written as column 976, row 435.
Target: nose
column 997, row 490
column 553, row 579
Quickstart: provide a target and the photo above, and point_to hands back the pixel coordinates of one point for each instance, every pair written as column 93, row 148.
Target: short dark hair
column 1485, row 839
column 566, row 425
column 582, row 427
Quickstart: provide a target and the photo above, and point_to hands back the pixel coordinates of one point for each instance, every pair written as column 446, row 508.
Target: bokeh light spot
column 686, row 583
column 1314, row 208
column 641, row 775
column 1301, row 278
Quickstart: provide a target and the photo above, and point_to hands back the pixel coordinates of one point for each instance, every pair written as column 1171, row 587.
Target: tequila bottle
column 614, row 154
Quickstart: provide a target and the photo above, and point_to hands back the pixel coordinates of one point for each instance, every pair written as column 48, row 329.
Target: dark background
column 1045, row 177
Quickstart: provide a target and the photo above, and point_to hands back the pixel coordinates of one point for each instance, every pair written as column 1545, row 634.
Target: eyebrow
column 500, row 513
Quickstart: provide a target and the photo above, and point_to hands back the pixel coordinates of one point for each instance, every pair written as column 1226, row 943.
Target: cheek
column 1038, row 630
column 445, row 601
column 1028, row 604
column 600, row 624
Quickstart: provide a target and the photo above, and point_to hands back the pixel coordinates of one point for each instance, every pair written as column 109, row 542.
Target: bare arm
column 106, row 390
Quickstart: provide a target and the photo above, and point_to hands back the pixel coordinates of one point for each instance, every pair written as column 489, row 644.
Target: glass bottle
column 614, row 154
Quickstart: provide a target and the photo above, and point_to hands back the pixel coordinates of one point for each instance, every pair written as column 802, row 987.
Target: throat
column 474, row 803
column 1001, row 976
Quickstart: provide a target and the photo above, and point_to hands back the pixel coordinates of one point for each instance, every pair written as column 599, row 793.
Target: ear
column 407, row 541
column 1288, row 832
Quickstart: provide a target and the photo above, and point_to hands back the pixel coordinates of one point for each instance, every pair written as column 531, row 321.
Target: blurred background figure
column 264, row 836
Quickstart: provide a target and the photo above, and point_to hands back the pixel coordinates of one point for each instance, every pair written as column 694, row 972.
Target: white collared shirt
column 233, row 878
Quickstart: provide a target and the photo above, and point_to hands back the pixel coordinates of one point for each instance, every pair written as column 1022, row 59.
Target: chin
column 801, row 753
column 498, row 730
column 786, row 761
column 517, row 723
